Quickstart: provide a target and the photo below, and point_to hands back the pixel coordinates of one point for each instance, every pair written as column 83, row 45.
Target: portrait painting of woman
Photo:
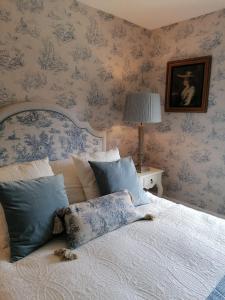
column 188, row 85
column 188, row 92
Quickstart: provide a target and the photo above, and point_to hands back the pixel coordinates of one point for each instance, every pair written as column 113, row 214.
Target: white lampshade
column 142, row 107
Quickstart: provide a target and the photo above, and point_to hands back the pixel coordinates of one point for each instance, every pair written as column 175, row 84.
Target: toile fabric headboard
column 30, row 131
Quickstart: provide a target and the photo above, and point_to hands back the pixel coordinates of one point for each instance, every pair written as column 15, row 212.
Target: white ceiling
column 153, row 14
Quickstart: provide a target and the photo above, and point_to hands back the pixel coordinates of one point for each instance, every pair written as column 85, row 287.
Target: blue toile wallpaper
column 190, row 147
column 75, row 56
column 84, row 60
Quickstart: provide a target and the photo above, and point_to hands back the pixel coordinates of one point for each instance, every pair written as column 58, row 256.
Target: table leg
column 160, row 189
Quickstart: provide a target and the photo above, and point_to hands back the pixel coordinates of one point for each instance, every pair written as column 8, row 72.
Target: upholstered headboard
column 30, row 131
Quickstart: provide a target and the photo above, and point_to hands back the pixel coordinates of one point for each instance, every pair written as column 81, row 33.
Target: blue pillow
column 119, row 175
column 90, row 219
column 29, row 208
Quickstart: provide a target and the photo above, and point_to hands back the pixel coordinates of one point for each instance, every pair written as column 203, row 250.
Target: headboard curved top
column 30, row 131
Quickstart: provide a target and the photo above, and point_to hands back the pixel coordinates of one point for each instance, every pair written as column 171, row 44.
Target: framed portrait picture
column 187, row 85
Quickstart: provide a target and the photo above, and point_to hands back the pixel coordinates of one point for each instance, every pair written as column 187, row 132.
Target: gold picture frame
column 187, row 85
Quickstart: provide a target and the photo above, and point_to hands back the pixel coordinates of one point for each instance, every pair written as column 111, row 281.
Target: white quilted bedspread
column 180, row 255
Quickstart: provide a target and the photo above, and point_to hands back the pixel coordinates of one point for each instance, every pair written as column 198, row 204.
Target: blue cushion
column 119, row 175
column 90, row 219
column 29, row 208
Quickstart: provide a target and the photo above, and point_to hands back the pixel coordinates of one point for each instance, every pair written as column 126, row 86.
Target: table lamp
column 142, row 107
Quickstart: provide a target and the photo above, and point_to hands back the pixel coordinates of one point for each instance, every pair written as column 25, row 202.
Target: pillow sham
column 90, row 219
column 29, row 208
column 119, row 175
column 20, row 171
column 85, row 173
column 26, row 170
column 73, row 186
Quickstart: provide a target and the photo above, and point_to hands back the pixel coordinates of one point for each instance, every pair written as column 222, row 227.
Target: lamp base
column 140, row 147
column 139, row 170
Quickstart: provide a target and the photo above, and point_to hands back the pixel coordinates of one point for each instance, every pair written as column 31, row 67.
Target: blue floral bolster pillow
column 88, row 220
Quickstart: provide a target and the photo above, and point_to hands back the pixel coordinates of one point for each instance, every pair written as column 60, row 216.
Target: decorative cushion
column 73, row 186
column 85, row 173
column 90, row 219
column 29, row 208
column 119, row 175
column 20, row 171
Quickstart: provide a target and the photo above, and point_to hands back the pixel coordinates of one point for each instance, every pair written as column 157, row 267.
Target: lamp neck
column 140, row 147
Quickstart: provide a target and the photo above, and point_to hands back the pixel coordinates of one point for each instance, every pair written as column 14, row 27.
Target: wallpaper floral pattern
column 190, row 146
column 86, row 61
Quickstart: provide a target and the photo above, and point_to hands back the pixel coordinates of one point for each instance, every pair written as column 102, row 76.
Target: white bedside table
column 150, row 177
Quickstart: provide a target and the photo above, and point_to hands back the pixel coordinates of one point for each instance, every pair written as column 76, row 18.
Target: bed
column 180, row 255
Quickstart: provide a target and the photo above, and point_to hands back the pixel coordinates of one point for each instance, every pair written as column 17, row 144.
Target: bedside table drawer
column 150, row 177
column 148, row 182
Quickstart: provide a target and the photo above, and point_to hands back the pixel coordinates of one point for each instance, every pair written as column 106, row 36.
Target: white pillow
column 85, row 173
column 72, row 182
column 27, row 170
column 20, row 171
